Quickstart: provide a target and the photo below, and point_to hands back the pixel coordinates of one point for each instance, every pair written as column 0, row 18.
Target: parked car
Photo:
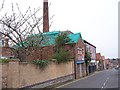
column 117, row 67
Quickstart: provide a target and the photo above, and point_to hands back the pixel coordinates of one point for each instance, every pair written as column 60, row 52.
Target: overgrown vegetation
column 87, row 59
column 62, row 55
column 4, row 60
column 61, row 40
column 41, row 63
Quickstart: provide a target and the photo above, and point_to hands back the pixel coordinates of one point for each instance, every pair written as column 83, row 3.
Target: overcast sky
column 97, row 20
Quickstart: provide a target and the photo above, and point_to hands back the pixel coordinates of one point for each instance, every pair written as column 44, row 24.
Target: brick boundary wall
column 17, row 74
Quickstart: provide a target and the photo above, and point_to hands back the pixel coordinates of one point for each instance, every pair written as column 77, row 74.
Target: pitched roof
column 49, row 38
column 52, row 36
column 74, row 37
column 89, row 43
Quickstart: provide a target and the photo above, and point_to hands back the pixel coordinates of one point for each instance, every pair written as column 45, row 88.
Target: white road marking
column 101, row 87
column 104, row 84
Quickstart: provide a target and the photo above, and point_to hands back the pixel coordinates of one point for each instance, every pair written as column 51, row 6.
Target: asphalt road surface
column 102, row 79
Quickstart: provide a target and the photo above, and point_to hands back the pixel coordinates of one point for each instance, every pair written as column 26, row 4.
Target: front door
column 80, row 69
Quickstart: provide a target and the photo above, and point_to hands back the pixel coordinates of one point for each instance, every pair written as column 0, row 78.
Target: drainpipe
column 86, row 62
column 75, row 68
column 74, row 62
column 95, row 60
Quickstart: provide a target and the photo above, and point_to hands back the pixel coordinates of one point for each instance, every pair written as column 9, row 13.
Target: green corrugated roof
column 49, row 38
column 74, row 37
column 52, row 35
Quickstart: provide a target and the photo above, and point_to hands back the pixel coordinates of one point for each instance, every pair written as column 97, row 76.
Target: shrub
column 62, row 56
column 41, row 63
column 87, row 57
column 4, row 60
column 62, row 39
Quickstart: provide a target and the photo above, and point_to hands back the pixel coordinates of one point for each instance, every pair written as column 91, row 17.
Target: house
column 47, row 50
column 100, row 65
column 103, row 62
column 98, row 59
column 92, row 50
column 107, row 63
column 5, row 50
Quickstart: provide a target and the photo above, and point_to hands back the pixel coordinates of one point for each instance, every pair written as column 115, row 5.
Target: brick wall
column 80, row 44
column 47, row 53
column 98, row 56
column 44, row 53
column 7, row 52
column 80, row 68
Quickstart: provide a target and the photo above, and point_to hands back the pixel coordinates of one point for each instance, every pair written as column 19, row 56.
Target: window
column 79, row 50
column 1, row 42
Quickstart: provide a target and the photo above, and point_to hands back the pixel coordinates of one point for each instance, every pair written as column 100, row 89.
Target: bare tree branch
column 2, row 5
column 9, row 37
column 23, row 30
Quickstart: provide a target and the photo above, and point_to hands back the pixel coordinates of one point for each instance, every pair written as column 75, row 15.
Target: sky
column 96, row 20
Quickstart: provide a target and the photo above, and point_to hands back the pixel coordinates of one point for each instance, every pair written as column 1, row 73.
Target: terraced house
column 92, row 50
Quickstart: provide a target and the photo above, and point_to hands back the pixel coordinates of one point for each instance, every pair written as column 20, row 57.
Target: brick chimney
column 45, row 16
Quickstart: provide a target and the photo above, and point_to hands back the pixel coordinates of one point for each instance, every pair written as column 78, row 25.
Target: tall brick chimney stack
column 45, row 16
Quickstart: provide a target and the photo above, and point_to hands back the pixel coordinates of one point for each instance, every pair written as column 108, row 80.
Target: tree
column 61, row 40
column 87, row 59
column 2, row 5
column 22, row 30
column 61, row 55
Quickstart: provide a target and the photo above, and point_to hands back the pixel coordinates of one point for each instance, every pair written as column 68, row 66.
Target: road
column 102, row 79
